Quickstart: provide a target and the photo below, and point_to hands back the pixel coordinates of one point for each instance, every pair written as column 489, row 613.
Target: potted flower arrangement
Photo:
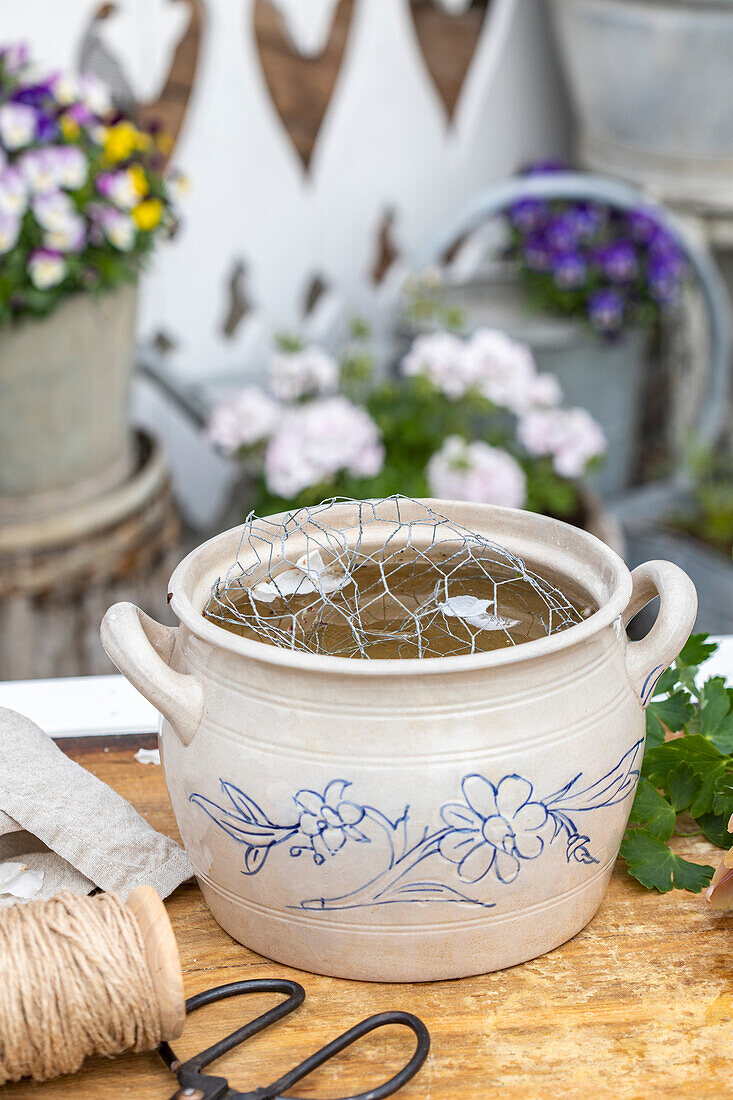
column 585, row 286
column 651, row 84
column 82, row 202
column 465, row 419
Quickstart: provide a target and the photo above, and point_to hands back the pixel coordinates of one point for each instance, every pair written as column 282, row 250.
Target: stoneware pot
column 64, row 386
column 651, row 82
column 406, row 820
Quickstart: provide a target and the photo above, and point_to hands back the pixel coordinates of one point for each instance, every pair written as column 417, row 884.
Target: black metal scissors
column 195, row 1085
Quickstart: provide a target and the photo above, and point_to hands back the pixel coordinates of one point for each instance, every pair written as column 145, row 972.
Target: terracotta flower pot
column 64, row 384
column 407, row 820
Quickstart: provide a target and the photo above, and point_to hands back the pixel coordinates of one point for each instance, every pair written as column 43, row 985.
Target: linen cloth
column 60, row 819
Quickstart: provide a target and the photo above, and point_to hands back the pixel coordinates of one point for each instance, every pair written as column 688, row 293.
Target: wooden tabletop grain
column 638, row 1006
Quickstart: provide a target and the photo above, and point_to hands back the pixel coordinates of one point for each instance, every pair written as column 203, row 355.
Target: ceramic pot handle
column 142, row 648
column 646, row 660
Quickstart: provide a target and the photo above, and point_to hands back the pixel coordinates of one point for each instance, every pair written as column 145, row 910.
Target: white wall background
column 385, row 144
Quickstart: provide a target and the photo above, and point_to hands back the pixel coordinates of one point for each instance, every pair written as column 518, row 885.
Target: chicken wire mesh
column 385, row 578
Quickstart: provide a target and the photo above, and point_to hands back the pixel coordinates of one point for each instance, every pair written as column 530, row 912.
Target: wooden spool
column 60, row 572
column 161, row 952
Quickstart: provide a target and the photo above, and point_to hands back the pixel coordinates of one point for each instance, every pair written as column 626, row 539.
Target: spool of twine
column 85, row 975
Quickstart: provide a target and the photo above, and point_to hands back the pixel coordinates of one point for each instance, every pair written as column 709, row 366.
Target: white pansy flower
column 95, row 94
column 46, row 268
column 17, row 125
column 70, row 237
column 119, row 229
column 65, row 89
column 9, row 232
column 13, row 197
column 53, row 210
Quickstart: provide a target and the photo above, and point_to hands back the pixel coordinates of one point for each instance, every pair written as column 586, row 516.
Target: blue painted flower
column 495, row 828
column 569, row 270
column 577, row 849
column 328, row 820
column 606, row 310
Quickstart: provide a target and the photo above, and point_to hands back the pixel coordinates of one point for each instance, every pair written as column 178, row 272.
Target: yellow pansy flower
column 69, row 127
column 139, row 180
column 122, row 140
column 147, row 214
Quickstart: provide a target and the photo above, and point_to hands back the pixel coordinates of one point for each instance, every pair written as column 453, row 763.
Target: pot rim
column 620, row 585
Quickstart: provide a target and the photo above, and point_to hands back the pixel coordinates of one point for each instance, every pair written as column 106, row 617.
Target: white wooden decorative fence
column 388, row 157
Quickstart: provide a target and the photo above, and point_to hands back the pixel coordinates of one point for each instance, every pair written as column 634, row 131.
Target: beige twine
column 74, row 981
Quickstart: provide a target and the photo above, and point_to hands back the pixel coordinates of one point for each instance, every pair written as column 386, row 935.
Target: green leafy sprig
column 687, row 774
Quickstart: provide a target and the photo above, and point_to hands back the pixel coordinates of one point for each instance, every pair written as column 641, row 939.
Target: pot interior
column 588, row 573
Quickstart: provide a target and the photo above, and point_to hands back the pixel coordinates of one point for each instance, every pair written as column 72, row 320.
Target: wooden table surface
column 638, row 1006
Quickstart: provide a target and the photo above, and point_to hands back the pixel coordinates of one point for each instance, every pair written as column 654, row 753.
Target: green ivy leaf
column 671, row 713
column 716, row 713
column 651, row 862
column 682, row 786
column 652, row 811
column 714, row 827
column 696, row 650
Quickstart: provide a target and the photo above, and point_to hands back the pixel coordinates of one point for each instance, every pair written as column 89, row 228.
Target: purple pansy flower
column 606, row 310
column 642, row 225
column 13, row 58
column 494, row 829
column 537, row 254
column 618, row 261
column 663, row 280
column 528, row 215
column 562, row 233
column 569, row 270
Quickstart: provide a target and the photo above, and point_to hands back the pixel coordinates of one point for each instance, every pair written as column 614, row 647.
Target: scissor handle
column 295, row 998
column 194, row 1083
column 381, row 1019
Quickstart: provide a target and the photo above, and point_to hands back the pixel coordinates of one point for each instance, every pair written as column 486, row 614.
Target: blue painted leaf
column 254, row 859
column 246, row 807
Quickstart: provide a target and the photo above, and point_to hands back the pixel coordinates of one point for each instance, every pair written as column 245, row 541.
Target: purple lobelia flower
column 618, row 261
column 606, row 310
column 569, row 270
column 528, row 215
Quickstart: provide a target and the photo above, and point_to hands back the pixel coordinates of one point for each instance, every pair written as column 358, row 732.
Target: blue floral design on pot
column 328, row 820
column 494, row 829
